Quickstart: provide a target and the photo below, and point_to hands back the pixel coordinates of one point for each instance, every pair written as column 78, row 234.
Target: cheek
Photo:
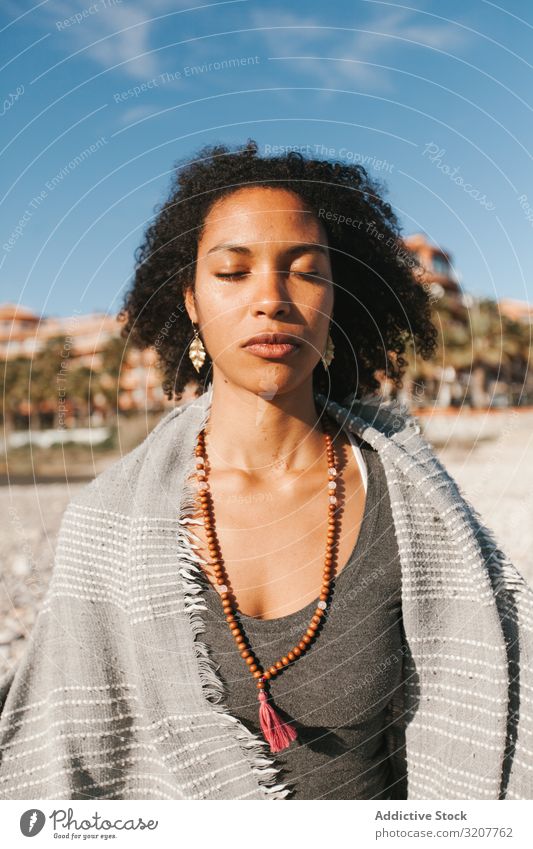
column 318, row 308
column 220, row 318
column 224, row 311
column 217, row 304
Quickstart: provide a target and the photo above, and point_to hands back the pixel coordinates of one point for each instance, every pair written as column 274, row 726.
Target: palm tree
column 478, row 342
column 15, row 388
column 83, row 385
column 49, row 373
column 112, row 358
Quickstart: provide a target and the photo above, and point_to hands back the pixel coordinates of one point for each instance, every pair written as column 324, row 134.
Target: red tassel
column 276, row 732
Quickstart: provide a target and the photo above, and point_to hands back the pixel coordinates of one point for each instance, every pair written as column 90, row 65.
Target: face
column 263, row 266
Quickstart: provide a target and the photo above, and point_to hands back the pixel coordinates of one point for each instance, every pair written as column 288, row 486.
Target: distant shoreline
column 27, row 480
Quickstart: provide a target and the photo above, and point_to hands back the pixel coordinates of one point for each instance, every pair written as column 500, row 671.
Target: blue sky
column 435, row 99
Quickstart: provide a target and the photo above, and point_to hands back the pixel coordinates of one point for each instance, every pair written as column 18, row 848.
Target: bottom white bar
column 338, row 824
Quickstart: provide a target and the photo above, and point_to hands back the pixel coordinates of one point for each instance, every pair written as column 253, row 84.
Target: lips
column 273, row 339
column 272, row 349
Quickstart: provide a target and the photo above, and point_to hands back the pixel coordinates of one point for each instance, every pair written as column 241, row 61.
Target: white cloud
column 136, row 113
column 356, row 52
column 113, row 35
column 127, row 34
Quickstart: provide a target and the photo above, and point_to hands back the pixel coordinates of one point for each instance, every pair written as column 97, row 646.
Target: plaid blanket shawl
column 118, row 698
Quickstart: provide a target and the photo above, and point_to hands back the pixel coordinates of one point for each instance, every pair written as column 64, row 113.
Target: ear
column 190, row 305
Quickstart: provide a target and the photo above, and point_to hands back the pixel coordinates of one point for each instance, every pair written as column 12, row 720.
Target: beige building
column 23, row 333
column 519, row 311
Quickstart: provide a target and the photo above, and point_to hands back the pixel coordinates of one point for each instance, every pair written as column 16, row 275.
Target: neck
column 263, row 433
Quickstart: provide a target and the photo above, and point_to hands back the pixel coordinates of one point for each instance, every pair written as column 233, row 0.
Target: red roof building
column 438, row 272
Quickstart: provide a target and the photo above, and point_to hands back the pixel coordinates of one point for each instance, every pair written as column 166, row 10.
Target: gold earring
column 197, row 351
column 329, row 353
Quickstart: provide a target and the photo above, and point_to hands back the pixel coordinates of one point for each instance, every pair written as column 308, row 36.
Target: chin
column 266, row 379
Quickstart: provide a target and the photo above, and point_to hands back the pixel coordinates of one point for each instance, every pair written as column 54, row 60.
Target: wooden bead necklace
column 278, row 733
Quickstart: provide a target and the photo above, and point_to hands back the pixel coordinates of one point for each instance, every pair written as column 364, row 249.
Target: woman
column 280, row 593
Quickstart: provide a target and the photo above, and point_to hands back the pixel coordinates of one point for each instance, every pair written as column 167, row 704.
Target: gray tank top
column 336, row 694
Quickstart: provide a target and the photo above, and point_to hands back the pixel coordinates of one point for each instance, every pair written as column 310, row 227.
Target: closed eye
column 232, row 276
column 307, row 275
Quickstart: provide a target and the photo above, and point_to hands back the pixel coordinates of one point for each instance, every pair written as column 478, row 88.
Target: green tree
column 15, row 387
column 49, row 369
column 112, row 357
column 82, row 386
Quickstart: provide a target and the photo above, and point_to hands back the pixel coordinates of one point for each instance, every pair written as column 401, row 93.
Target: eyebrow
column 305, row 247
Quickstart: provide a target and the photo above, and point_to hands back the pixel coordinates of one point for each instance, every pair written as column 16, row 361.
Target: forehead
column 262, row 212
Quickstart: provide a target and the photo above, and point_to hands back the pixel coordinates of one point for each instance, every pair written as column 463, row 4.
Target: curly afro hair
column 379, row 307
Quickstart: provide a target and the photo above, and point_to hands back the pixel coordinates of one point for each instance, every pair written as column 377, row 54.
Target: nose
column 269, row 295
